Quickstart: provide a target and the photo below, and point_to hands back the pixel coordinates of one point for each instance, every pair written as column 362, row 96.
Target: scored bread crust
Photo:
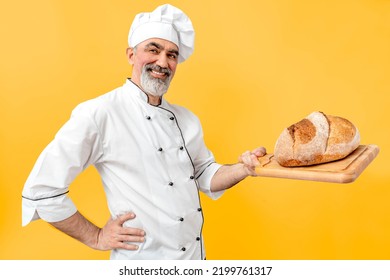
column 316, row 139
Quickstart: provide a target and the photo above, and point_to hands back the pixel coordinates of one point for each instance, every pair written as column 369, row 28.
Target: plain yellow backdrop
column 258, row 66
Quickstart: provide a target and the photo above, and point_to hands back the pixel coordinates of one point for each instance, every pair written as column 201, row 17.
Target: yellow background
column 258, row 67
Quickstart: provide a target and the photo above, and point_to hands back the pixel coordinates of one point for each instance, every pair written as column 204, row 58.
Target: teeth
column 158, row 73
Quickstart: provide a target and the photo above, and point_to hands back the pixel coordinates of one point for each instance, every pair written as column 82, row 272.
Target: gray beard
column 154, row 86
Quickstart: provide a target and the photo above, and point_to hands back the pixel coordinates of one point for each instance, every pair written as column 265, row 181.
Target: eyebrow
column 160, row 47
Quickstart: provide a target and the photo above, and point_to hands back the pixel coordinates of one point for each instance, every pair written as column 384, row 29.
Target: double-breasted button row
column 149, row 118
column 184, row 248
column 171, row 184
column 181, row 148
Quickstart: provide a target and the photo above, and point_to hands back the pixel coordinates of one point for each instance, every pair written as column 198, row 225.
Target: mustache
column 154, row 67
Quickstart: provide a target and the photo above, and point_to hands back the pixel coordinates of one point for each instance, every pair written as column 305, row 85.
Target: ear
column 130, row 55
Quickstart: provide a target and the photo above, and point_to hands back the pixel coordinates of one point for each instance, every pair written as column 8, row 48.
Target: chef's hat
column 165, row 22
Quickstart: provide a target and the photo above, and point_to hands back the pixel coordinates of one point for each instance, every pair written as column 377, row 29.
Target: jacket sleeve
column 45, row 194
column 204, row 164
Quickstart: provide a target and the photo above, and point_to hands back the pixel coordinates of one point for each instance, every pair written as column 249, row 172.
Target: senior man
column 150, row 155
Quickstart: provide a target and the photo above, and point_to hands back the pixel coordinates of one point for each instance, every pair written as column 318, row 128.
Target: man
column 150, row 155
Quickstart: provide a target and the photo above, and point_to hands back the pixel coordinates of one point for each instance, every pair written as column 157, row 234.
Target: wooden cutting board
column 345, row 170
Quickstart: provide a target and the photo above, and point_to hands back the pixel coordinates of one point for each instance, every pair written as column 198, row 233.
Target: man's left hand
column 250, row 160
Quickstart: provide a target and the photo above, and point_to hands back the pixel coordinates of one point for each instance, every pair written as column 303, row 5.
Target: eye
column 172, row 56
column 153, row 50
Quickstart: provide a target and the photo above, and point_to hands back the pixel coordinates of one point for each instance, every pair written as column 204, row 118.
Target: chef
column 150, row 155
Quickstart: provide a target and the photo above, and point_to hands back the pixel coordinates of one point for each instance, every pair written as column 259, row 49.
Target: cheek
column 141, row 60
column 172, row 67
column 139, row 65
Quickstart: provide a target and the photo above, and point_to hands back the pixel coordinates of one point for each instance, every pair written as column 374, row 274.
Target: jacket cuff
column 204, row 181
column 48, row 209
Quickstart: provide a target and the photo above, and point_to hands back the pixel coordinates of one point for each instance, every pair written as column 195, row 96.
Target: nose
column 162, row 61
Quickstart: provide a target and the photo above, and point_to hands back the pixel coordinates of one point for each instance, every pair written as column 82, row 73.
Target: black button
column 181, row 219
column 148, row 117
column 198, row 238
column 181, row 148
column 170, row 183
column 192, row 177
column 199, row 209
column 183, row 249
column 171, row 118
column 160, row 149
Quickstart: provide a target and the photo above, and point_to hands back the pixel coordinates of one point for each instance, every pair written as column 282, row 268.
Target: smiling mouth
column 158, row 74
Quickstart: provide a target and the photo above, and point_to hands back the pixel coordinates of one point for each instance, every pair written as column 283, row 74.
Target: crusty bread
column 316, row 139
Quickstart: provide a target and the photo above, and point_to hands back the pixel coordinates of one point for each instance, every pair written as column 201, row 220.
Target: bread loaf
column 316, row 139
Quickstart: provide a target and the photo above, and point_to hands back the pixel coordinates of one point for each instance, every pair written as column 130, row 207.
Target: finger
column 260, row 151
column 121, row 219
column 246, row 158
column 132, row 231
column 132, row 238
column 251, row 161
column 126, row 246
column 254, row 161
column 243, row 155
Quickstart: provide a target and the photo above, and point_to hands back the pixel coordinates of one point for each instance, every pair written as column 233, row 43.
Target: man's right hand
column 115, row 236
column 112, row 236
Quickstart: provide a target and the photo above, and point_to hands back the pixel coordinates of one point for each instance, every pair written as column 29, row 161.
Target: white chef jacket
column 152, row 161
